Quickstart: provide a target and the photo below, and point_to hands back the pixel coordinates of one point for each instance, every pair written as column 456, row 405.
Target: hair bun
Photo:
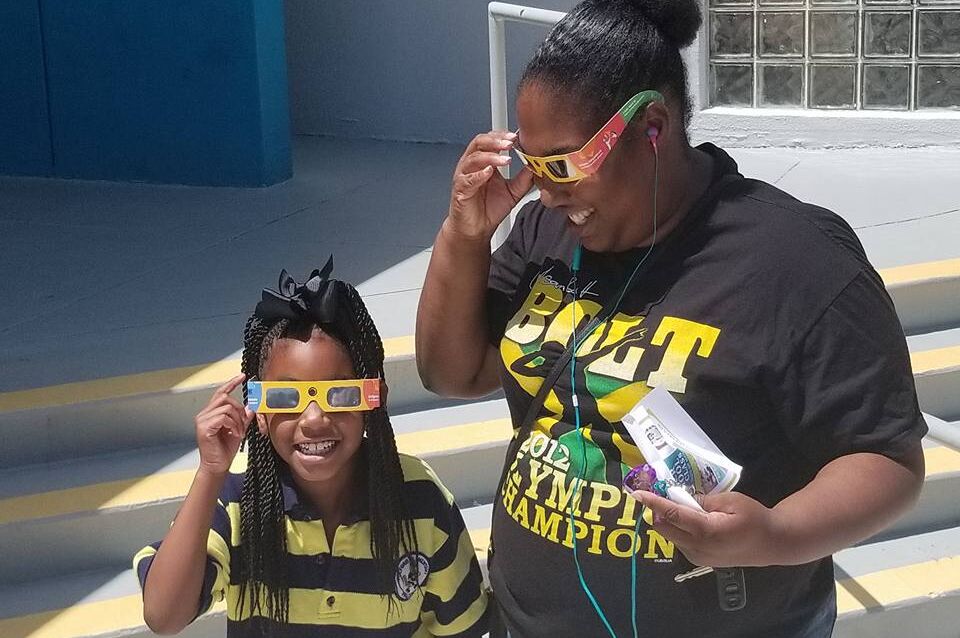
column 677, row 20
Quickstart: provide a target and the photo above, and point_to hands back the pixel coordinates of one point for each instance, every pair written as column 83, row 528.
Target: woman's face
column 316, row 445
column 611, row 210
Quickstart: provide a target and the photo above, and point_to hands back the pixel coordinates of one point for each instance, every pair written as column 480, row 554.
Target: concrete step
column 908, row 586
column 156, row 409
column 944, row 432
column 102, row 604
column 937, row 377
column 95, row 514
column 151, row 409
column 903, row 587
column 927, row 295
column 92, row 514
column 107, row 603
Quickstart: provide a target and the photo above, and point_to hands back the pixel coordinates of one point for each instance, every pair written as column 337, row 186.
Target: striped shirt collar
column 297, row 506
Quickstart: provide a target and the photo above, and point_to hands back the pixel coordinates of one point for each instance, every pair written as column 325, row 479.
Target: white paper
column 676, row 447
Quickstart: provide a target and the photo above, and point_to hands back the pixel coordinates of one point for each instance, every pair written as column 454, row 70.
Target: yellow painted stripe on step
column 866, row 592
column 897, row 585
column 100, row 389
column 398, row 347
column 455, row 437
column 211, row 375
column 913, row 273
column 174, row 485
column 941, row 460
column 481, row 541
column 170, row 380
column 939, row 360
column 871, row 591
column 195, row 377
column 83, row 619
column 100, row 496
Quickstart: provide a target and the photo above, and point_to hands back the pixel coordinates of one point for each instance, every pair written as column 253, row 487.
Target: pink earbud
column 652, row 133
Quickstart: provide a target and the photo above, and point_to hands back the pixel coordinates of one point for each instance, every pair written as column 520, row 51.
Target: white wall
column 398, row 69
column 418, row 70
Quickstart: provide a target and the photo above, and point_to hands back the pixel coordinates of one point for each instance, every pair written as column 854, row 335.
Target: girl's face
column 610, row 211
column 317, row 445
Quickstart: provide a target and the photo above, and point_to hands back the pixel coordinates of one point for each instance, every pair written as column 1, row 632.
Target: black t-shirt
column 764, row 319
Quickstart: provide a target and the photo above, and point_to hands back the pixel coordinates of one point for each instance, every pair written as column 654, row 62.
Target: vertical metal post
column 498, row 13
column 498, row 102
column 498, row 71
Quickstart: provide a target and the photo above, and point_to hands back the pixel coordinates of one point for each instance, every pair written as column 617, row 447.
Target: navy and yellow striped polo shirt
column 334, row 592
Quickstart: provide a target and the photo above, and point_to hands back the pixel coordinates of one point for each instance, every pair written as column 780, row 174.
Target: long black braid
column 262, row 560
column 392, row 532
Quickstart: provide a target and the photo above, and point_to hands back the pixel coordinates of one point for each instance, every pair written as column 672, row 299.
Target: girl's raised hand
column 221, row 426
column 481, row 198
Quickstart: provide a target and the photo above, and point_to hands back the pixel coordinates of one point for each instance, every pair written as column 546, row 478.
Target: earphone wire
column 583, row 443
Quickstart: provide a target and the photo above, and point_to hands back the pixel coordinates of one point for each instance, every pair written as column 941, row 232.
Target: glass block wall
column 835, row 54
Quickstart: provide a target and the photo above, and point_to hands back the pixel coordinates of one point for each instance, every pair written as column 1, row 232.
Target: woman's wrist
column 784, row 544
column 453, row 232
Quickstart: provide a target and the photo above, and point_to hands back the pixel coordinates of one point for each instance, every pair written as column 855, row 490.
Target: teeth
column 316, row 449
column 580, row 217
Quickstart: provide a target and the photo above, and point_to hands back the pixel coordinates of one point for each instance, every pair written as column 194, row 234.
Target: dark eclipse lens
column 558, row 168
column 343, row 397
column 282, row 398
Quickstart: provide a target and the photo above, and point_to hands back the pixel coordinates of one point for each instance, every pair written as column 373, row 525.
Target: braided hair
column 262, row 557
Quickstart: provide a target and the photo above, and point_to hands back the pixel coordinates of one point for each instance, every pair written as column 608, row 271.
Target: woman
column 759, row 313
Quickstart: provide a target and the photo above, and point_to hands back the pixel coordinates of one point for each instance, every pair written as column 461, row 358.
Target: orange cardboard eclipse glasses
column 574, row 166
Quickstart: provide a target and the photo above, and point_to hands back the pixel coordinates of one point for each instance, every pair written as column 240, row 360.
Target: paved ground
column 101, row 279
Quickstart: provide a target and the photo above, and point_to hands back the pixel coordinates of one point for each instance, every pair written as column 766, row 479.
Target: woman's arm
column 454, row 355
column 851, row 499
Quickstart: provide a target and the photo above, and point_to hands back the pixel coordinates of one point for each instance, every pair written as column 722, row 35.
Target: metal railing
column 498, row 14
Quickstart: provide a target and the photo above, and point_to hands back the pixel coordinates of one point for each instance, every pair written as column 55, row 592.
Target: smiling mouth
column 580, row 217
column 320, row 448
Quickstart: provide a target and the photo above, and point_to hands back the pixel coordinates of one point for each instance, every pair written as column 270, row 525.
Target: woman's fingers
column 480, row 198
column 682, row 517
column 484, row 150
column 480, row 160
column 466, row 186
column 494, row 141
column 520, row 184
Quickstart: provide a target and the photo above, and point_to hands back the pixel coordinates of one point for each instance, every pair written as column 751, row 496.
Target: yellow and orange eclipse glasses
column 341, row 395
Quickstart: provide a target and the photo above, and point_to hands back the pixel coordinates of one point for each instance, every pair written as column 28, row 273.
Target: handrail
column 498, row 14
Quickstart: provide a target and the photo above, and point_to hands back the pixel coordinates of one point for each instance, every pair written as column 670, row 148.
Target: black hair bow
column 316, row 300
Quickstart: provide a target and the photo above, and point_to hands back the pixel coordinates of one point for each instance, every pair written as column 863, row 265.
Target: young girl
column 327, row 531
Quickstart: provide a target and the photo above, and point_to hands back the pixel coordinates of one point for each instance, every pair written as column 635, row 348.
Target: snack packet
column 674, row 445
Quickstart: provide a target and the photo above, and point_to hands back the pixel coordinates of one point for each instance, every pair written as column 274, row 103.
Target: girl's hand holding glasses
column 221, row 426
